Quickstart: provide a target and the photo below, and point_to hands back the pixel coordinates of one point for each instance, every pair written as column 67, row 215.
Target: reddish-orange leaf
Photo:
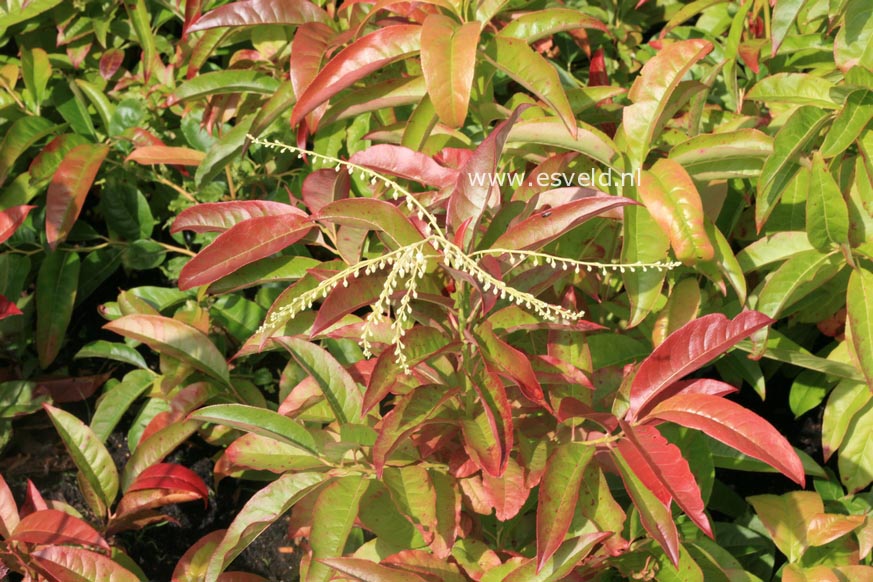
column 170, row 476
column 448, row 60
column 366, row 55
column 8, row 510
column 11, row 219
column 669, row 467
column 735, row 426
column 507, row 493
column 687, row 349
column 672, row 199
column 220, row 216
column 7, row 308
column 160, row 154
column 69, row 188
column 255, row 12
column 69, row 564
column 405, row 163
column 52, row 526
column 241, row 244
column 510, row 362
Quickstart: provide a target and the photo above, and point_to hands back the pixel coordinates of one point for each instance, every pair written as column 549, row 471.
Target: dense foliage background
column 312, row 290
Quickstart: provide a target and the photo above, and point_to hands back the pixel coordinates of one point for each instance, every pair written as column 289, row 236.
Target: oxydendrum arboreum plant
column 464, row 426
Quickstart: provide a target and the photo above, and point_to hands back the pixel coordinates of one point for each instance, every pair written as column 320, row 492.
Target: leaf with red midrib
column 671, row 470
column 170, row 476
column 220, row 216
column 241, row 244
column 52, row 526
column 366, row 55
column 687, row 349
column 735, row 426
column 255, row 12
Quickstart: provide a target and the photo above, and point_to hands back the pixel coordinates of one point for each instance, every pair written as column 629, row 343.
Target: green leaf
column 644, row 242
column 859, row 305
column 559, row 492
column 784, row 14
column 127, row 211
column 69, row 102
column 112, row 351
column 264, row 508
column 88, row 453
column 223, row 82
column 651, row 93
column 19, row 137
column 565, row 559
column 26, row 12
column 796, row 278
column 773, row 248
column 797, row 89
column 156, row 446
column 128, row 114
column 849, row 123
column 55, row 297
column 854, row 42
column 18, row 398
column 337, row 385
column 100, row 102
column 846, row 400
column 269, row 270
column 36, row 70
column 138, row 13
column 800, row 129
column 448, row 59
column 827, row 216
column 413, row 493
column 113, row 404
column 333, row 515
column 786, row 518
column 533, row 72
column 259, row 421
column 223, row 152
column 807, row 391
column 533, row 26
column 175, row 339
column 551, row 132
column 719, row 156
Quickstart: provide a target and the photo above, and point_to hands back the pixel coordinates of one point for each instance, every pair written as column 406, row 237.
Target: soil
column 39, row 456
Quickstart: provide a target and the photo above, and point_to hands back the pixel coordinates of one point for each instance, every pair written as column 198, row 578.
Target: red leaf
column 254, row 12
column 666, row 463
column 346, row 298
column 368, row 571
column 507, row 493
column 52, row 526
column 572, row 408
column 367, row 54
column 67, row 564
column 110, row 62
column 193, row 10
column 405, row 163
column 470, row 197
column 511, row 362
column 9, row 516
column 33, row 500
column 11, row 219
column 736, row 427
column 68, row 189
column 72, row 389
column 7, row 308
column 544, row 227
column 170, row 476
column 687, row 349
column 220, row 216
column 312, row 43
column 322, row 187
column 597, row 75
column 241, row 244
column 159, row 154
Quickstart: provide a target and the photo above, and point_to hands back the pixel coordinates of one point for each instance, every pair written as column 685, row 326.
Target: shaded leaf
column 56, row 286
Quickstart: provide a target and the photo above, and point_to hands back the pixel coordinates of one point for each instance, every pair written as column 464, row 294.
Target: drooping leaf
column 672, row 199
column 738, row 154
column 333, row 515
column 559, row 492
column 561, row 564
column 222, row 83
column 258, row 12
column 220, row 216
column 265, row 507
column 687, row 349
column 68, row 189
column 243, row 243
column 506, row 493
column 735, row 426
column 364, row 56
column 72, row 564
column 849, row 123
column 112, row 351
column 510, row 362
column 175, row 339
column 259, row 421
column 372, row 214
column 56, row 286
column 534, row 26
column 448, row 59
column 412, row 491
